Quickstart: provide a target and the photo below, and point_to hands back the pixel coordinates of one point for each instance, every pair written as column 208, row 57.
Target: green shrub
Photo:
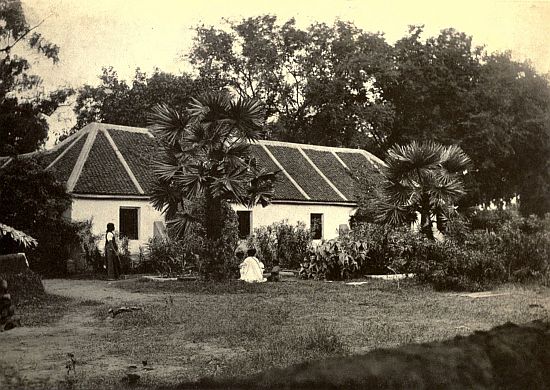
column 388, row 249
column 517, row 250
column 166, row 256
column 450, row 266
column 282, row 242
column 524, row 244
column 368, row 249
column 333, row 260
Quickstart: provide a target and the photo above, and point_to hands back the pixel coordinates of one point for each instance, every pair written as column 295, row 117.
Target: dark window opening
column 316, row 226
column 245, row 223
column 129, row 223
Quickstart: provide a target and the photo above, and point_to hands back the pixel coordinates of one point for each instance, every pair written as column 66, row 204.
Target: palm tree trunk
column 214, row 220
column 426, row 218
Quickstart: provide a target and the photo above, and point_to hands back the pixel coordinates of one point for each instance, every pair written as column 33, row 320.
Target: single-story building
column 107, row 171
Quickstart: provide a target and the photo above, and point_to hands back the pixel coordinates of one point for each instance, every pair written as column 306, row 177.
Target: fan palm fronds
column 208, row 157
column 422, row 177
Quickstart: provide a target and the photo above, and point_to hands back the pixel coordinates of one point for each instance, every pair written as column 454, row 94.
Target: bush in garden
column 213, row 259
column 491, row 220
column 282, row 242
column 450, row 266
column 388, row 249
column 368, row 249
column 166, row 256
column 524, row 244
column 33, row 201
column 333, row 260
column 517, row 250
column 90, row 247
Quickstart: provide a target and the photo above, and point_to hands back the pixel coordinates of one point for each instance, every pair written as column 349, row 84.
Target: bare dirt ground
column 37, row 356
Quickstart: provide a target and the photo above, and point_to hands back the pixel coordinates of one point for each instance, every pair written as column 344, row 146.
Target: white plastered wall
column 103, row 211
column 333, row 215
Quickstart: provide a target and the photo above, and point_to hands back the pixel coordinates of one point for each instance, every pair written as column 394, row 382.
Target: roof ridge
column 323, row 176
column 123, row 161
column 83, row 156
column 285, row 172
column 132, row 129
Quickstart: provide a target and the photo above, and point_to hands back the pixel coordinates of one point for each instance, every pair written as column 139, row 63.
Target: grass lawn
column 189, row 329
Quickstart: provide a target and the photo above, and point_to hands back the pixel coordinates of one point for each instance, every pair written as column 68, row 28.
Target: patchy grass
column 187, row 330
column 44, row 310
column 276, row 324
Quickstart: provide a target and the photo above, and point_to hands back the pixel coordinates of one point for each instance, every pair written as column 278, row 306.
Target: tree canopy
column 338, row 85
column 23, row 109
column 117, row 102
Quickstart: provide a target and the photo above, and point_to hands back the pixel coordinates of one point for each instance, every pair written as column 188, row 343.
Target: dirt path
column 95, row 290
column 38, row 355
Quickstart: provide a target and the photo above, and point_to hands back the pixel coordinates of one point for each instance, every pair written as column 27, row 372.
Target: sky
column 127, row 34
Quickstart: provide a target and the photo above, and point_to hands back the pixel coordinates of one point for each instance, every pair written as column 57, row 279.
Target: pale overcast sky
column 136, row 33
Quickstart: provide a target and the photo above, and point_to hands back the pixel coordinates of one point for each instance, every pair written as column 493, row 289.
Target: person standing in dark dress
column 111, row 253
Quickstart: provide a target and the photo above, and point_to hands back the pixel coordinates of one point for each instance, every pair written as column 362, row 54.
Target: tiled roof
column 104, row 159
column 103, row 172
column 64, row 166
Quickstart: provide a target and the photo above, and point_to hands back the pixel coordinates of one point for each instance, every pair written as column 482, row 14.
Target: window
column 316, row 226
column 128, row 222
column 245, row 223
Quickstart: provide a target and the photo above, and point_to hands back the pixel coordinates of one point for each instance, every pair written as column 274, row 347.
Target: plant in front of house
column 424, row 178
column 33, row 201
column 283, row 243
column 205, row 160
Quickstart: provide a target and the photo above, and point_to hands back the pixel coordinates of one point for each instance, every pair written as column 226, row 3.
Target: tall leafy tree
column 23, row 109
column 321, row 83
column 34, row 202
column 115, row 101
column 507, row 134
column 496, row 109
column 206, row 158
column 423, row 178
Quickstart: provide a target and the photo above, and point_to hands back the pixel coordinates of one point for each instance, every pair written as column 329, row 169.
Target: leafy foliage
column 33, row 201
column 23, row 107
column 115, row 101
column 281, row 243
column 320, row 83
column 517, row 250
column 20, row 238
column 205, row 158
column 424, row 178
column 368, row 249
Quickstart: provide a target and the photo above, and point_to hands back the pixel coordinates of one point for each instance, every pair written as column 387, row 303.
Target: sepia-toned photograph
column 255, row 194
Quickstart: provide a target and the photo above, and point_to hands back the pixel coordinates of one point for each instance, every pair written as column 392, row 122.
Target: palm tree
column 205, row 158
column 424, row 178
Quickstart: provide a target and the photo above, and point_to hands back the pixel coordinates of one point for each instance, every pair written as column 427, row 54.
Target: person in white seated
column 252, row 269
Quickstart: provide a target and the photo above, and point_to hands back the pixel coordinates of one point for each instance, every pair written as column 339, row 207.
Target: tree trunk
column 214, row 217
column 426, row 218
